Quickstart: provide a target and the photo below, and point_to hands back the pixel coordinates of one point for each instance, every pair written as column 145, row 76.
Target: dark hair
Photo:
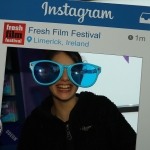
column 75, row 56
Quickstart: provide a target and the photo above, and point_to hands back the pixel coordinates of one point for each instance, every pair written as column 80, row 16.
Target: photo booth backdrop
column 120, row 77
column 127, row 115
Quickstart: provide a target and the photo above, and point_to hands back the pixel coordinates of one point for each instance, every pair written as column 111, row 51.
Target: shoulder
column 100, row 103
column 43, row 109
column 34, row 115
column 95, row 99
column 40, row 114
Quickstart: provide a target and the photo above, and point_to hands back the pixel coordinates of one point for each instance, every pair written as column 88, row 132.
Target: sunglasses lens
column 84, row 75
column 46, row 72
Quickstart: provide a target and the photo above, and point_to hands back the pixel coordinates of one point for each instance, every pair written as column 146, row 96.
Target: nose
column 65, row 75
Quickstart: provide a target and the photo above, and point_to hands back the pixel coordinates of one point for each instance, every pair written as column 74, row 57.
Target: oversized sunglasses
column 46, row 72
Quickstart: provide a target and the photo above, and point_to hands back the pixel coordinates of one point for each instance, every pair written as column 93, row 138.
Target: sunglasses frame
column 62, row 67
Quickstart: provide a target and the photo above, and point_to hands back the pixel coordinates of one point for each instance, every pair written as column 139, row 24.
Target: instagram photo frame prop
column 86, row 27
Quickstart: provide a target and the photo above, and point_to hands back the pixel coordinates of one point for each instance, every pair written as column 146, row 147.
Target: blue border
column 125, row 16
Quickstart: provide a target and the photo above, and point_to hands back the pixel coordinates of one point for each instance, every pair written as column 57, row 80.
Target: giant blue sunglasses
column 46, row 72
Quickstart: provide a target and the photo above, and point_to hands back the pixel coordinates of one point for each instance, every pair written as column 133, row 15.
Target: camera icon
column 145, row 18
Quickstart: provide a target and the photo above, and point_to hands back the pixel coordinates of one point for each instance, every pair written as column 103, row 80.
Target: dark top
column 95, row 123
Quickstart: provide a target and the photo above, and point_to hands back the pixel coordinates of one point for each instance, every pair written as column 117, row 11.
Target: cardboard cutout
column 114, row 36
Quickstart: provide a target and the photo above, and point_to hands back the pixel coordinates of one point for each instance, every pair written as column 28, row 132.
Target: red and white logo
column 14, row 33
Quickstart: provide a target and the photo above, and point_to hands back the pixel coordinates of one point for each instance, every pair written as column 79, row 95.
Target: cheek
column 51, row 88
column 74, row 89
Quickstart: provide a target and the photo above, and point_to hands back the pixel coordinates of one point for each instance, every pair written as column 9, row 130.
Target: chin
column 64, row 98
column 65, row 95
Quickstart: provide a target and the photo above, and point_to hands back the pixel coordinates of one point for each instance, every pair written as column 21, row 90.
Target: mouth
column 64, row 87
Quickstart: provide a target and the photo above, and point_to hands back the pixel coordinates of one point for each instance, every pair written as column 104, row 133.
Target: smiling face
column 63, row 89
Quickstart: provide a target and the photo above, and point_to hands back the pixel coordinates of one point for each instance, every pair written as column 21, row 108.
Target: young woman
column 69, row 121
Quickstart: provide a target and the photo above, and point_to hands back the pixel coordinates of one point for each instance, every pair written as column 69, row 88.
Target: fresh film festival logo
column 74, row 12
column 14, row 33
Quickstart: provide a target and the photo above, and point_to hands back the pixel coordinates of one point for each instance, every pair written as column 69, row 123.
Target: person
column 67, row 120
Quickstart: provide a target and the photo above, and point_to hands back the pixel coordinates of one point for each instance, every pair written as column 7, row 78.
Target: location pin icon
column 29, row 38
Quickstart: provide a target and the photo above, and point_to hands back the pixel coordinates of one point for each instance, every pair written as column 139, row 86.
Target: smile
column 63, row 87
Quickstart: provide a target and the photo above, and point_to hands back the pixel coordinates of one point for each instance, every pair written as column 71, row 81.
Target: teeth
column 64, row 86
